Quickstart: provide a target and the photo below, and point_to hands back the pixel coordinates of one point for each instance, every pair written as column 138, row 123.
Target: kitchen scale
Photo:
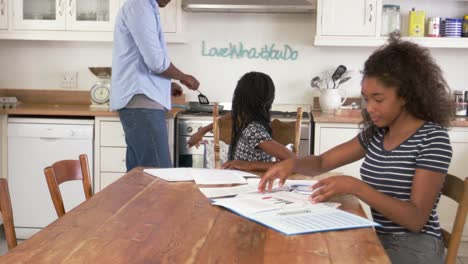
column 100, row 92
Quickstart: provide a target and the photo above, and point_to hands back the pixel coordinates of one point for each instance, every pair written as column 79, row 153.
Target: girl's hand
column 279, row 171
column 237, row 165
column 336, row 185
column 195, row 139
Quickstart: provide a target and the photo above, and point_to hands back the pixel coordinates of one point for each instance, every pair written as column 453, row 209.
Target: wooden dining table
column 143, row 219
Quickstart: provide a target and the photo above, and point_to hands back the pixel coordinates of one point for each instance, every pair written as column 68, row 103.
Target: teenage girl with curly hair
column 406, row 151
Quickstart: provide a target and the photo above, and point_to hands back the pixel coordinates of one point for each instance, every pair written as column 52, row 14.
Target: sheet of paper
column 243, row 174
column 259, row 202
column 310, row 220
column 201, row 176
column 214, row 176
column 172, row 175
column 227, row 191
column 291, row 213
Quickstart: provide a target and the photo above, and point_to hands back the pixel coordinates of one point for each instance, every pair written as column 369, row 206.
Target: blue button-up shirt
column 139, row 55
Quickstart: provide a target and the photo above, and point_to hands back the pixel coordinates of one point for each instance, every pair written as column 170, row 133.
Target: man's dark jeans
column 146, row 138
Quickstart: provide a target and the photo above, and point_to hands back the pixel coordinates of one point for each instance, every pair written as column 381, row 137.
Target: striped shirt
column 391, row 172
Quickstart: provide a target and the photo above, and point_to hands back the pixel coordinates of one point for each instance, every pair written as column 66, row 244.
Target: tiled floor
column 462, row 259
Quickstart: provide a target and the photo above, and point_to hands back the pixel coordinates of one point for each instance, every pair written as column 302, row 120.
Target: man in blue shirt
column 141, row 82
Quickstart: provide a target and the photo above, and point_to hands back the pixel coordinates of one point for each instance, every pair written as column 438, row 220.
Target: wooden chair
column 282, row 132
column 63, row 171
column 457, row 190
column 7, row 214
column 288, row 132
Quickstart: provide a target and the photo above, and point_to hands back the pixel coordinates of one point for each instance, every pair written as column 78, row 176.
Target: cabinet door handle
column 2, row 10
column 60, row 8
column 70, row 9
column 371, row 12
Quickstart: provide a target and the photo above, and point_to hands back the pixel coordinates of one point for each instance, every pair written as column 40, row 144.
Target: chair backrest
column 288, row 132
column 457, row 190
column 7, row 214
column 282, row 132
column 63, row 171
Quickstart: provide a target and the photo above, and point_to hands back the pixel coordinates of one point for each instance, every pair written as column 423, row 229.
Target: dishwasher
column 33, row 144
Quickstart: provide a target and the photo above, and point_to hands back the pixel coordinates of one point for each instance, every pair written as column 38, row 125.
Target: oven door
column 189, row 157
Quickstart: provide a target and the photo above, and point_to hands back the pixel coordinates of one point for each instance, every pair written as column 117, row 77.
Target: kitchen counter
column 354, row 117
column 67, row 110
column 63, row 103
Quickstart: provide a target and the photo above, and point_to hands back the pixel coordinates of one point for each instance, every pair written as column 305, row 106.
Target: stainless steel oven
column 187, row 123
column 186, row 127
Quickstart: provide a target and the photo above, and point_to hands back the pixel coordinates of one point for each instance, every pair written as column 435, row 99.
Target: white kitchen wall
column 39, row 64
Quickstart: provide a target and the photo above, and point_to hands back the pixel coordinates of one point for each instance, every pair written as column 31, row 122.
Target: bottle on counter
column 433, row 27
column 390, row 19
column 460, row 103
column 465, row 27
column 466, row 103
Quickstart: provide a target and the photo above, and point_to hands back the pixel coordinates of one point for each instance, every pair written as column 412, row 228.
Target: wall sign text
column 240, row 51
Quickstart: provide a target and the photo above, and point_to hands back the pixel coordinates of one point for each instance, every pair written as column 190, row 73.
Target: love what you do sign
column 238, row 50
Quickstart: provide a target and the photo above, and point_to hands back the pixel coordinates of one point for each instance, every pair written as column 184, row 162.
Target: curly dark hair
column 252, row 100
column 417, row 78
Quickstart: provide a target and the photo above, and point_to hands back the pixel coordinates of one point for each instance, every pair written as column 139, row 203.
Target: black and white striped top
column 391, row 172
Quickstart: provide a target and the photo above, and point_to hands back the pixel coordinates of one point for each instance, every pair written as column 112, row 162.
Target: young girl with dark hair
column 252, row 147
column 406, row 151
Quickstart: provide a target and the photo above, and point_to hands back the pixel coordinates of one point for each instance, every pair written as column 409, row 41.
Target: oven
column 186, row 126
column 187, row 123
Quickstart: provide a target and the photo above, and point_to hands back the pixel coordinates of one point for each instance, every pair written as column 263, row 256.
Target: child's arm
column 195, row 139
column 312, row 165
column 276, row 150
column 271, row 147
column 412, row 214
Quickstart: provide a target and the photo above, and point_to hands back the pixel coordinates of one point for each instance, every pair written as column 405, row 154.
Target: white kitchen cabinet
column 171, row 20
column 458, row 167
column 110, row 150
column 4, row 14
column 358, row 22
column 82, row 15
column 347, row 18
column 329, row 135
column 76, row 20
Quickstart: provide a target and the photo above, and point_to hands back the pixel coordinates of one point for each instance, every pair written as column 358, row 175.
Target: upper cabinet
column 86, row 15
column 348, row 18
column 358, row 22
column 171, row 20
column 3, row 14
column 86, row 20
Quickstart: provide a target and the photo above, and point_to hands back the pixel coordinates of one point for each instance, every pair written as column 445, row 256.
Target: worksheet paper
column 201, row 176
column 252, row 187
column 214, row 176
column 260, row 202
column 228, row 191
column 314, row 218
column 291, row 213
column 173, row 174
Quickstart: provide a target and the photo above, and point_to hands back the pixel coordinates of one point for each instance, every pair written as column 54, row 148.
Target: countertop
column 44, row 102
column 67, row 110
column 354, row 117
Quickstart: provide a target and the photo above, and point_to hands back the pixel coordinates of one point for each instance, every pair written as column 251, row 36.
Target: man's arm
column 174, row 73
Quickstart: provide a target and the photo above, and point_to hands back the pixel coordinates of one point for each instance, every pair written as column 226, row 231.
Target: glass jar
column 390, row 19
column 460, row 104
column 465, row 27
